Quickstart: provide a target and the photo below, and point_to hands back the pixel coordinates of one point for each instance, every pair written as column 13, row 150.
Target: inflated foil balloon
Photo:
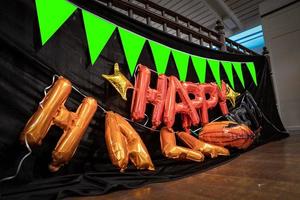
column 53, row 112
column 247, row 113
column 231, row 95
column 143, row 95
column 189, row 108
column 171, row 150
column 164, row 99
column 227, row 134
column 119, row 81
column 124, row 143
column 185, row 107
column 205, row 148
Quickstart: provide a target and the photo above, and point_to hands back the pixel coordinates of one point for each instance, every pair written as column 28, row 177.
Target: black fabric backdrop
column 27, row 68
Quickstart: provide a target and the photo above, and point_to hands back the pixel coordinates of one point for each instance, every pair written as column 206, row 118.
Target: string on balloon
column 26, row 142
column 47, row 88
column 20, row 163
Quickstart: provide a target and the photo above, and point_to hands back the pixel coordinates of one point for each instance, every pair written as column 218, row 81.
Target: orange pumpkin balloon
column 227, row 134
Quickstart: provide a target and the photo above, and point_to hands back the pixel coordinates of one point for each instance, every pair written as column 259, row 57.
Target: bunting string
column 52, row 14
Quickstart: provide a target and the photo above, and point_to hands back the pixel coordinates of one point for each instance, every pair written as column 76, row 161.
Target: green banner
column 132, row 45
column 228, row 70
column 182, row 62
column 161, row 55
column 215, row 68
column 52, row 14
column 238, row 69
column 98, row 32
column 200, row 67
column 251, row 68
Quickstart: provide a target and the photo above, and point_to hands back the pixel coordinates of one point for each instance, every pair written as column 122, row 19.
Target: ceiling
column 237, row 15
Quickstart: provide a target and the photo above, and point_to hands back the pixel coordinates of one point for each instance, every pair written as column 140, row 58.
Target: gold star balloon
column 231, row 95
column 119, row 81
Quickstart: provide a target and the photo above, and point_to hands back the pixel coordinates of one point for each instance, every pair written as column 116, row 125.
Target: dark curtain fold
column 27, row 68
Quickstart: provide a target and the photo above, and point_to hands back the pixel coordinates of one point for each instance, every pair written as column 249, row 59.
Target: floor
column 271, row 171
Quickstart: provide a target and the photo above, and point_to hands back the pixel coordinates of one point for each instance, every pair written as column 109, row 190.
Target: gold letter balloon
column 53, row 112
column 124, row 143
column 170, row 149
column 198, row 150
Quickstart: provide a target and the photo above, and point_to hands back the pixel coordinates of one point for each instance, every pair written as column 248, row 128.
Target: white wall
column 282, row 38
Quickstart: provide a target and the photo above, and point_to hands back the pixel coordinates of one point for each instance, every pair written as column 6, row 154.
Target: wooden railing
column 178, row 25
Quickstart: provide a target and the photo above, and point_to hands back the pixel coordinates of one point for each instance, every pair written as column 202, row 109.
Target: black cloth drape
column 27, row 68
